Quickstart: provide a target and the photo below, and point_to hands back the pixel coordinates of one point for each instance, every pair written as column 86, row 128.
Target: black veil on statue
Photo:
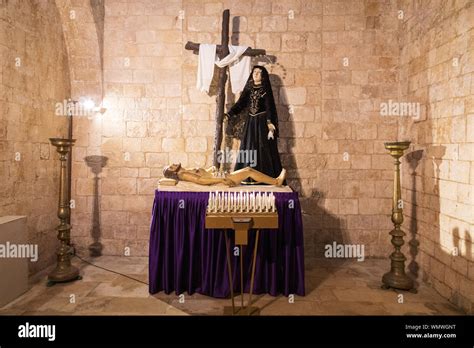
column 248, row 120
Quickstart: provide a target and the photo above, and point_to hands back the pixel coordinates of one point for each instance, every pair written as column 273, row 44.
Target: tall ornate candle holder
column 64, row 271
column 397, row 277
column 96, row 163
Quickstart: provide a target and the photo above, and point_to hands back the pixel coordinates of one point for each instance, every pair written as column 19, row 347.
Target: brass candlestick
column 397, row 277
column 96, row 163
column 64, row 271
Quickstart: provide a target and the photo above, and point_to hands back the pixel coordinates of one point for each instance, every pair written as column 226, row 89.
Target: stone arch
column 83, row 24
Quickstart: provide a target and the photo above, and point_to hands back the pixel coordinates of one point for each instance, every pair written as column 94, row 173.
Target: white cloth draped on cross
column 239, row 66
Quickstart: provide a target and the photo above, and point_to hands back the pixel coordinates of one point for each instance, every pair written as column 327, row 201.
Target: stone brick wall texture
column 333, row 64
column 436, row 70
column 34, row 75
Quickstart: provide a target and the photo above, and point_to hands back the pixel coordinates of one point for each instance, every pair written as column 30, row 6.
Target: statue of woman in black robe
column 260, row 130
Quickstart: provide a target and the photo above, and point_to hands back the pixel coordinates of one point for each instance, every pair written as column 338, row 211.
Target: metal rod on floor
column 229, row 271
column 253, row 272
column 241, row 279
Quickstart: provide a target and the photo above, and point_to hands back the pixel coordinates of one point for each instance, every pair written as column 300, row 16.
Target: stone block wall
column 332, row 62
column 436, row 70
column 34, row 75
column 334, row 66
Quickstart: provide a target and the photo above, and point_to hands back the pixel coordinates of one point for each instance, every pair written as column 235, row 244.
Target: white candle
column 257, row 202
column 220, row 202
column 241, row 201
column 235, row 201
column 253, row 201
column 273, row 203
column 250, row 201
column 247, row 205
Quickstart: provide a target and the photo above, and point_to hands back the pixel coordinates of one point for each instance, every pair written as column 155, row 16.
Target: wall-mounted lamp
column 89, row 107
column 88, row 104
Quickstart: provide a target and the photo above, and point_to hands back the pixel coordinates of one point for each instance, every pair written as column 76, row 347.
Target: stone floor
column 342, row 287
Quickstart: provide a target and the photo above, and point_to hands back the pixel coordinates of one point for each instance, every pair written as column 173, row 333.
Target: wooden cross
column 222, row 51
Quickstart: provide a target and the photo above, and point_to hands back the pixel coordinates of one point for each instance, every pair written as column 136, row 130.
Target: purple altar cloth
column 186, row 257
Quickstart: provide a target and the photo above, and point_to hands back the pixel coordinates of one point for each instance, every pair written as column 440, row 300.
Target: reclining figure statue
column 201, row 176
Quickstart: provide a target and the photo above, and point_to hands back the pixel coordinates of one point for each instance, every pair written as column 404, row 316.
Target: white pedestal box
column 13, row 270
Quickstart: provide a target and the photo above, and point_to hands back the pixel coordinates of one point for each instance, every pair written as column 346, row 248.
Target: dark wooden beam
column 193, row 46
column 222, row 51
column 220, row 99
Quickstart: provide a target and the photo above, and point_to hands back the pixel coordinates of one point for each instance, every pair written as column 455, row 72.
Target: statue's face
column 174, row 167
column 257, row 76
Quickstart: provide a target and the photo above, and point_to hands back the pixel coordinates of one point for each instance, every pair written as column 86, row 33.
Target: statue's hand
column 229, row 182
column 271, row 130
